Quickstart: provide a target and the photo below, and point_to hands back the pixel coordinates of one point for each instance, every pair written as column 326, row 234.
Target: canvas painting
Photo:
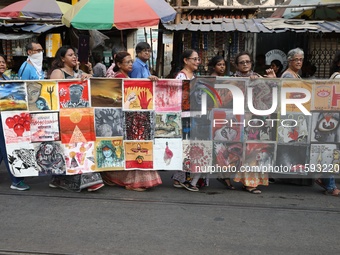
column 109, row 122
column 185, row 128
column 21, row 159
column 185, row 95
column 292, row 83
column 168, row 124
column 138, row 95
column 16, row 126
column 200, row 127
column 295, row 128
column 49, row 157
column 259, row 156
column 325, row 158
column 42, row 95
column 200, row 88
column 79, row 157
column 325, row 127
column 198, row 155
column 45, row 127
column 262, row 91
column 106, row 92
column 138, row 155
column 13, row 96
column 227, row 155
column 226, row 126
column 326, row 95
column 109, row 154
column 291, row 159
column 168, row 154
column 139, row 125
column 74, row 94
column 77, row 125
column 226, row 94
column 260, row 128
column 168, row 95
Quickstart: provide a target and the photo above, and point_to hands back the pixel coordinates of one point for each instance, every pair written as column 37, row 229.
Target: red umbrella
column 122, row 14
column 37, row 9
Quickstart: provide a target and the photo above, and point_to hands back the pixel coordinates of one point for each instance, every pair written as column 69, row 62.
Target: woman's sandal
column 226, row 182
column 334, row 192
column 252, row 190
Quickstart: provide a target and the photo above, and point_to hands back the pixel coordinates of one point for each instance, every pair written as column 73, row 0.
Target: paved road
column 284, row 219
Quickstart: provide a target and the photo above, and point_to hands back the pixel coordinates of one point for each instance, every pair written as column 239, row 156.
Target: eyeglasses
column 247, row 62
column 196, row 59
column 146, row 51
column 39, row 50
column 297, row 60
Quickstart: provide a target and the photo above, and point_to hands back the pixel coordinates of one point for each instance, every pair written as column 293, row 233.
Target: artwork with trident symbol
column 42, row 96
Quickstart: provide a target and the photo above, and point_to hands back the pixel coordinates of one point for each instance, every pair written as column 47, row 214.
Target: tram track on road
column 257, row 206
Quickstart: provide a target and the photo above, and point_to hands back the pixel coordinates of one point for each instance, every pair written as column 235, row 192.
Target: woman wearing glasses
column 190, row 62
column 295, row 61
column 250, row 180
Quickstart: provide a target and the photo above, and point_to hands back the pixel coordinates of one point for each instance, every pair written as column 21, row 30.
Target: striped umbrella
column 122, row 14
column 37, row 9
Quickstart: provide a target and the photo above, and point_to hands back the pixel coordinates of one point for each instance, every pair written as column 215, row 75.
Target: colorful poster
column 168, row 124
column 227, row 155
column 259, row 156
column 226, row 126
column 185, row 95
column 42, row 95
column 139, row 125
column 21, row 159
column 109, row 122
column 74, row 94
column 138, row 155
column 16, row 126
column 260, row 128
column 262, row 93
column 324, row 158
column 79, row 157
column 45, row 127
column 106, row 93
column 292, row 83
column 199, row 154
column 294, row 128
column 168, row 154
column 138, row 94
column 77, row 125
column 109, row 154
column 49, row 157
column 325, row 127
column 226, row 94
column 168, row 95
column 13, row 96
column 326, row 95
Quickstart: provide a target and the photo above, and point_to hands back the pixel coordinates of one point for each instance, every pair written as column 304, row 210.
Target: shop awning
column 269, row 25
column 34, row 28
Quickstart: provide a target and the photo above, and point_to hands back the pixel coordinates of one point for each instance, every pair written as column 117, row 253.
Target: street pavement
column 284, row 219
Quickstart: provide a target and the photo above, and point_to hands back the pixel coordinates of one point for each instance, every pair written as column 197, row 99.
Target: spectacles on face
column 39, row 50
column 195, row 59
column 246, row 62
column 297, row 60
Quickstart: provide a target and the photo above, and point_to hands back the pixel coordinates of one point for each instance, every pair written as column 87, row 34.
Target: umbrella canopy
column 316, row 12
column 37, row 9
column 122, row 14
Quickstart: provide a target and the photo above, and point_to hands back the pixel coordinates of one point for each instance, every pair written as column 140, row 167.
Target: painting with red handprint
column 138, row 95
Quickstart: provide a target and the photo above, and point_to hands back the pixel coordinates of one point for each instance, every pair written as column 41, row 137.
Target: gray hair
column 294, row 52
